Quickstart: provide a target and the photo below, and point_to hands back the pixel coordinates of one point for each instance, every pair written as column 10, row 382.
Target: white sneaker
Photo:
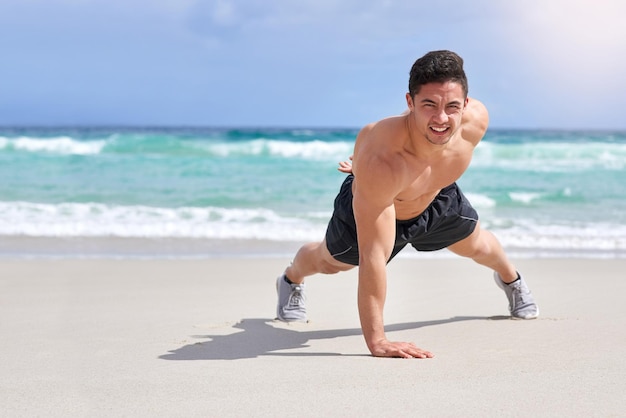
column 291, row 300
column 521, row 302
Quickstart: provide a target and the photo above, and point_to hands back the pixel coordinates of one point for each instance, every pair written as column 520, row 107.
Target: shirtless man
column 402, row 191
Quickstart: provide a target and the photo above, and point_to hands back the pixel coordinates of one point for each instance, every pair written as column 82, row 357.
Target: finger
column 427, row 354
column 419, row 353
column 403, row 354
column 415, row 355
column 409, row 350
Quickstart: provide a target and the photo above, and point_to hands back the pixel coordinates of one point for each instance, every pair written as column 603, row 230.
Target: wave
column 523, row 156
column 172, row 146
column 540, row 236
column 56, row 145
column 310, row 150
column 550, row 156
column 480, row 201
column 532, row 152
column 99, row 220
column 71, row 220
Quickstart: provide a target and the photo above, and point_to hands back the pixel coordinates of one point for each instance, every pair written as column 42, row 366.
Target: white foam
column 525, row 198
column 97, row 220
column 551, row 156
column 309, row 150
column 480, row 200
column 59, row 145
column 532, row 235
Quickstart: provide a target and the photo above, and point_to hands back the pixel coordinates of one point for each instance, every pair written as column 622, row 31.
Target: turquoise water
column 540, row 192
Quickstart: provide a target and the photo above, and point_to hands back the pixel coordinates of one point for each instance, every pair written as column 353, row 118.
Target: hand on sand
column 345, row 166
column 386, row 348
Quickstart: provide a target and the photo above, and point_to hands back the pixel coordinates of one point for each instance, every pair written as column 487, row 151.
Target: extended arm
column 376, row 225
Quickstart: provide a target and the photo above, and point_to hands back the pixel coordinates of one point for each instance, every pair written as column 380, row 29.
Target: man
column 402, row 191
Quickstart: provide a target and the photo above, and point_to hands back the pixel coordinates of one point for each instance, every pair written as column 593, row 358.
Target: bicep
column 377, row 180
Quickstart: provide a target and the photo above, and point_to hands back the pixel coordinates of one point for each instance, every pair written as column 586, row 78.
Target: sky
column 536, row 64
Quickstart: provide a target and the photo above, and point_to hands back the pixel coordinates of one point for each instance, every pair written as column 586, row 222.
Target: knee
column 479, row 250
column 477, row 246
column 485, row 246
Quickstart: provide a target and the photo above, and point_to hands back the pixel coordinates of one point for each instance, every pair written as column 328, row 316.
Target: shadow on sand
column 260, row 338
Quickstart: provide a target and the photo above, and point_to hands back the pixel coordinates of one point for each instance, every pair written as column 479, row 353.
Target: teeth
column 438, row 129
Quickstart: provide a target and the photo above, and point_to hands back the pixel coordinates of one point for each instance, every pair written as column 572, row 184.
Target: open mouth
column 439, row 130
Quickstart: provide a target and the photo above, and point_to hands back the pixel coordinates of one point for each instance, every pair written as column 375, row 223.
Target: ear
column 409, row 101
column 466, row 102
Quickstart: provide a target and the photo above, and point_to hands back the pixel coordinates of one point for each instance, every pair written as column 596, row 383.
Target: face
column 436, row 111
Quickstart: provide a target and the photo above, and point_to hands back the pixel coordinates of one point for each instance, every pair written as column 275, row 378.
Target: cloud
column 535, row 63
column 572, row 38
column 572, row 57
column 355, row 20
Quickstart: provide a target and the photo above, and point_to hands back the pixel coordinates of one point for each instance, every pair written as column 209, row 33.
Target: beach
column 138, row 268
column 163, row 163
column 197, row 337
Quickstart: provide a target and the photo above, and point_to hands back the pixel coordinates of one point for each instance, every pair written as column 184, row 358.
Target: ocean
column 201, row 192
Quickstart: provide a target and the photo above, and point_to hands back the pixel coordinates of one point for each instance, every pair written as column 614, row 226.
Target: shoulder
column 384, row 127
column 475, row 121
column 379, row 137
column 378, row 163
column 377, row 143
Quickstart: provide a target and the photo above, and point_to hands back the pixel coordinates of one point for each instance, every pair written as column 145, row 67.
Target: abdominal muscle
column 411, row 208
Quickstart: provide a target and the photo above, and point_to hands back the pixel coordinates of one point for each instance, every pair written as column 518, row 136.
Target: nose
column 440, row 116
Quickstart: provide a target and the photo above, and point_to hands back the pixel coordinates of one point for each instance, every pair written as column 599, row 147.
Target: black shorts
column 447, row 220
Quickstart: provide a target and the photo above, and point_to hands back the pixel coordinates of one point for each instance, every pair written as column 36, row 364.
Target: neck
column 419, row 145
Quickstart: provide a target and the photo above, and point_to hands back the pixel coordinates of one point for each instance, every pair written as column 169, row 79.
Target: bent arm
column 345, row 166
column 475, row 121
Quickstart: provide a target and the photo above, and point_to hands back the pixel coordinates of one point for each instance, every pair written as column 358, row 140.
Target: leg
column 483, row 247
column 311, row 258
column 314, row 258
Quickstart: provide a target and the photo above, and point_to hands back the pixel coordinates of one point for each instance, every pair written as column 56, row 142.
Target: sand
column 197, row 338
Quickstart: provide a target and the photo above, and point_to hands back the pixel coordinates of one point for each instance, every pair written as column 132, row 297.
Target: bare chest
column 423, row 183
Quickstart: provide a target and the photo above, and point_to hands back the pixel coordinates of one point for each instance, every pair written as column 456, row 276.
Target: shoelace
column 519, row 297
column 295, row 298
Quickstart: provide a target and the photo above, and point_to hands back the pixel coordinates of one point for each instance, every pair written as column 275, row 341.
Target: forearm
column 371, row 301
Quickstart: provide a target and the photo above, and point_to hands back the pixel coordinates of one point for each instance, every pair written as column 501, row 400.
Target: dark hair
column 437, row 67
